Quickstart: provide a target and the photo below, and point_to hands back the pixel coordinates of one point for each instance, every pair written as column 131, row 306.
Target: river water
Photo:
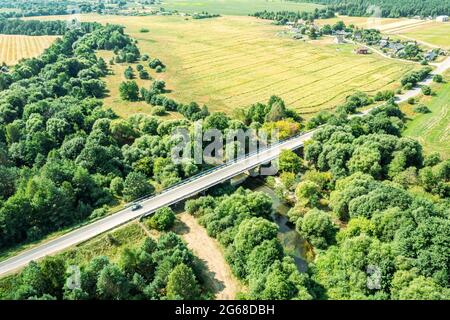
column 293, row 244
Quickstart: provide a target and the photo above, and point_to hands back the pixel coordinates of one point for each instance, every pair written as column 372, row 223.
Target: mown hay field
column 16, row 47
column 231, row 62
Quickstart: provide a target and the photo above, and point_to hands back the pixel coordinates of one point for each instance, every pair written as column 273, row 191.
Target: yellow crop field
column 232, row 61
column 16, row 47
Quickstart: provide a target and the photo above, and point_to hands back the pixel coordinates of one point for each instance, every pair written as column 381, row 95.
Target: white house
column 442, row 19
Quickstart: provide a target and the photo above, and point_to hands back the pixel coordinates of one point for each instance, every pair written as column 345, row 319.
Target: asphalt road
column 171, row 196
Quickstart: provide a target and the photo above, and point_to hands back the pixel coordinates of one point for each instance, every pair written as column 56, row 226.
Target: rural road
column 172, row 195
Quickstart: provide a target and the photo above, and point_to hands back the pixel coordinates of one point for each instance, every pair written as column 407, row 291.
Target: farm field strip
column 276, row 87
column 347, row 90
column 16, row 47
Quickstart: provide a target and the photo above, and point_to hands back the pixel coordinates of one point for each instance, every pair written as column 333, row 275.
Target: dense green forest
column 38, row 28
column 389, row 8
column 17, row 9
column 283, row 17
column 162, row 269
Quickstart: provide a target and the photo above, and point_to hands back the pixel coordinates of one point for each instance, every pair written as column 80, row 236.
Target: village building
column 384, row 43
column 396, row 46
column 362, row 50
column 339, row 39
column 430, row 55
column 442, row 19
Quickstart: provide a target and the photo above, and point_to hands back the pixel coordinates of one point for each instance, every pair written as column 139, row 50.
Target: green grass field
column 432, row 130
column 235, row 7
column 239, row 61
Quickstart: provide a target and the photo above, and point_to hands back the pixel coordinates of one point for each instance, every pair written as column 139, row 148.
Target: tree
column 426, row 90
column 162, row 219
column 129, row 73
column 181, row 284
column 129, row 91
column 277, row 109
column 438, row 78
column 116, row 186
column 317, row 227
column 308, row 193
column 289, row 161
column 217, row 120
column 112, row 283
column 252, row 232
column 136, row 186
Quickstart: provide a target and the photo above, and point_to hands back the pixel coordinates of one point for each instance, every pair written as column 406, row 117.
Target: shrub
column 143, row 74
column 411, row 101
column 144, row 30
column 158, row 111
column 438, row 78
column 163, row 219
column 426, row 90
column 421, row 108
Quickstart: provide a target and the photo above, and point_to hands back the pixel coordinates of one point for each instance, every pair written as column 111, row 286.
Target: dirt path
column 217, row 272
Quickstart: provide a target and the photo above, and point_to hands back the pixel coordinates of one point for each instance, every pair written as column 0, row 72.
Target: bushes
column 163, row 219
column 155, row 63
column 128, row 73
column 421, row 108
column 159, row 111
column 426, row 90
column 143, row 74
column 383, row 95
column 129, row 91
column 438, row 78
column 414, row 77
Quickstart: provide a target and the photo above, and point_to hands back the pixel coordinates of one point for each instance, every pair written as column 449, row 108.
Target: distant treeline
column 282, row 17
column 43, row 8
column 38, row 28
column 389, row 8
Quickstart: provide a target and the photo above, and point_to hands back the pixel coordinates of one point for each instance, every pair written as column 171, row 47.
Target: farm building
column 430, row 55
column 362, row 51
column 339, row 39
column 384, row 43
column 442, row 19
column 396, row 46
